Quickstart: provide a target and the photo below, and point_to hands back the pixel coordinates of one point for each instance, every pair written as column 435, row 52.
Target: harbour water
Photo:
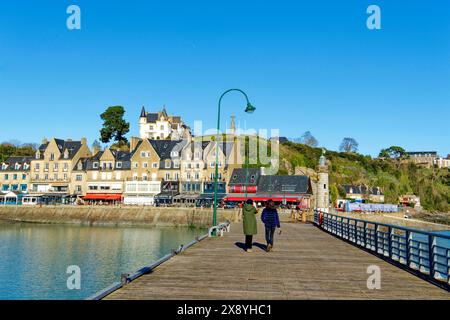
column 34, row 257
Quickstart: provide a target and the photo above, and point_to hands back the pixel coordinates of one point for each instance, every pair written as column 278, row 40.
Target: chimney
column 84, row 141
column 95, row 149
column 133, row 143
column 44, row 141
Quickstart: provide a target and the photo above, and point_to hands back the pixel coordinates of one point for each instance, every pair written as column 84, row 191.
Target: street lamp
column 249, row 109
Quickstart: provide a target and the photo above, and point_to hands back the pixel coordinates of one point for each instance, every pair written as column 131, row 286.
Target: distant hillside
column 7, row 150
column 394, row 177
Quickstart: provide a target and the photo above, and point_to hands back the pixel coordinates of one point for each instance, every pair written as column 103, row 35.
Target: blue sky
column 306, row 65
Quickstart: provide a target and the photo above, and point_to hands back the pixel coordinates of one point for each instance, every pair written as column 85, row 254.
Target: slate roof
column 119, row 156
column 361, row 189
column 239, row 176
column 11, row 163
column 72, row 146
column 164, row 147
column 284, row 184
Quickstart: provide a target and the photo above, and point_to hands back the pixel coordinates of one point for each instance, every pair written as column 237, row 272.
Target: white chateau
column 161, row 126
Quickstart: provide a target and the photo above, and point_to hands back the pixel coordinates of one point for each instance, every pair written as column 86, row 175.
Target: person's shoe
column 269, row 248
column 249, row 250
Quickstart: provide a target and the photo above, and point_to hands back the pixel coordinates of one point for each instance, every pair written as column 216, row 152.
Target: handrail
column 126, row 278
column 220, row 229
column 420, row 252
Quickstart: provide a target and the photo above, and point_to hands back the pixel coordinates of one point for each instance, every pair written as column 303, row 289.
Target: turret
column 322, row 192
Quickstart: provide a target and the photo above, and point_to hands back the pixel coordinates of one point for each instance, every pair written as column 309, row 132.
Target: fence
column 426, row 254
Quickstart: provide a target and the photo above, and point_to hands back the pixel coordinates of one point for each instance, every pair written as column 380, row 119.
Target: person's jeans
column 269, row 235
column 249, row 241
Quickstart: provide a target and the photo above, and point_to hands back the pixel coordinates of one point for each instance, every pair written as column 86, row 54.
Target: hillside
column 393, row 176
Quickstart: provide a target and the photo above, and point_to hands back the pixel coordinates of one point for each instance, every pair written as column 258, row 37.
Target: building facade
column 161, row 126
column 15, row 174
column 52, row 166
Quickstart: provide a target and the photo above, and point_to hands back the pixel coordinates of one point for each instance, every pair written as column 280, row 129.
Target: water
column 34, row 258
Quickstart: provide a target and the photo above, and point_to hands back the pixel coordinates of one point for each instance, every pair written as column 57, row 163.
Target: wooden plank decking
column 307, row 263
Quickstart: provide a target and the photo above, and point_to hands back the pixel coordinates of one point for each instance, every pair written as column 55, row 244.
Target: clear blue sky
column 306, row 65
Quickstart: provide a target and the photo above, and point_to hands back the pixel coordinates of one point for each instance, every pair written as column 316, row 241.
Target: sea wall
column 120, row 215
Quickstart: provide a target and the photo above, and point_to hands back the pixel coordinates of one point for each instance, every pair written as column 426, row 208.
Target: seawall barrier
column 117, row 215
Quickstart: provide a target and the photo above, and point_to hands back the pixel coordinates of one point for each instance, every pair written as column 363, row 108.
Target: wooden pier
column 307, row 263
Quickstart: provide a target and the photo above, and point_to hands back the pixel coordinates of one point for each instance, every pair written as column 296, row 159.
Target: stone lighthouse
column 322, row 192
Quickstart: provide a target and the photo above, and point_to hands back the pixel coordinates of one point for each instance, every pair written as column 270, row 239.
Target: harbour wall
column 117, row 216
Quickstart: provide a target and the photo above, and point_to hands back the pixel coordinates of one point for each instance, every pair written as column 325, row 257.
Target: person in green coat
column 249, row 221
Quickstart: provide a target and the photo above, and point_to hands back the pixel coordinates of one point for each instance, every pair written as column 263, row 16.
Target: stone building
column 52, row 166
column 161, row 126
column 15, row 174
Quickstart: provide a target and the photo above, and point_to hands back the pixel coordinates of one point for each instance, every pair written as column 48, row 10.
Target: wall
column 96, row 215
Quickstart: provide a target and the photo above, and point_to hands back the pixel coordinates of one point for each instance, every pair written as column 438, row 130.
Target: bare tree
column 349, row 145
column 308, row 139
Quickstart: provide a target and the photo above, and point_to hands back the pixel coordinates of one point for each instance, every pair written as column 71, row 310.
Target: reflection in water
column 34, row 258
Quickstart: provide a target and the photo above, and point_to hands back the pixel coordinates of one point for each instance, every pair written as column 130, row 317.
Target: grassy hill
column 393, row 176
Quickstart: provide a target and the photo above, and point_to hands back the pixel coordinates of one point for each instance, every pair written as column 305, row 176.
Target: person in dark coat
column 271, row 221
column 249, row 223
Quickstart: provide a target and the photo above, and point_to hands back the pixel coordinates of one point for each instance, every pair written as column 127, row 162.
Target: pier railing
column 126, row 278
column 425, row 254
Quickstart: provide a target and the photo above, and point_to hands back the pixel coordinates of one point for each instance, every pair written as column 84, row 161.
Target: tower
column 322, row 192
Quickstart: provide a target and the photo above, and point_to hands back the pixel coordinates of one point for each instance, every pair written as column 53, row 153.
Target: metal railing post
column 431, row 255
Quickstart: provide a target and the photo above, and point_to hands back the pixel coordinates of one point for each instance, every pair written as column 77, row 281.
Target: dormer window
column 80, row 166
column 4, row 166
column 38, row 155
column 52, row 156
column 174, row 154
column 119, row 165
column 17, row 166
column 167, row 164
column 66, row 154
column 95, row 165
column 26, row 166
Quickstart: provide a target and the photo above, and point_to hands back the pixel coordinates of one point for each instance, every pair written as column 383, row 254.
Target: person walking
column 271, row 221
column 249, row 223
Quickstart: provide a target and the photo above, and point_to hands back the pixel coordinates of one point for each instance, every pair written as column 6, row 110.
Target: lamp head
column 250, row 109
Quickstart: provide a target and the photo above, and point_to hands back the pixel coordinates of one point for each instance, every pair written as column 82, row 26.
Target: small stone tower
column 322, row 192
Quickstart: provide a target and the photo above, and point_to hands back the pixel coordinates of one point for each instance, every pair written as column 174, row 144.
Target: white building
column 161, row 126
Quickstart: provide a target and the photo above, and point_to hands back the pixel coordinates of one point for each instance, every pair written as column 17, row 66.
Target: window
column 79, row 177
column 324, row 186
column 55, row 176
column 80, row 166
column 6, row 176
column 177, row 176
column 145, row 165
column 167, row 176
column 136, row 165
column 52, row 156
column 176, row 165
column 14, row 176
column 95, row 165
column 188, row 176
column 79, row 189
column 144, row 177
column 151, row 128
column 66, row 167
column 46, row 167
column 197, row 165
column 24, row 177
column 167, row 163
column 15, row 187
column 119, row 165
column 37, row 167
column 155, row 165
column 36, row 177
column 174, row 154
column 197, row 176
column 23, row 187
column 46, row 177
column 143, row 154
column 55, row 167
column 17, row 166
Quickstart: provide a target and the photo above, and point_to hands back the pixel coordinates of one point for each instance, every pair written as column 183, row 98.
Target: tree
column 394, row 152
column 114, row 125
column 349, row 145
column 334, row 194
column 308, row 139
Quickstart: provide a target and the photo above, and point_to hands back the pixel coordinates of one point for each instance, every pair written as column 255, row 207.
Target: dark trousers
column 269, row 235
column 248, row 241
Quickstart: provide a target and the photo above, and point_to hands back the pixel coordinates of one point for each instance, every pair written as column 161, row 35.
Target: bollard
column 124, row 278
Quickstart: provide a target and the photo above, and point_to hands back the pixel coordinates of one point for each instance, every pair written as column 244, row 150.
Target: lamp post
column 249, row 109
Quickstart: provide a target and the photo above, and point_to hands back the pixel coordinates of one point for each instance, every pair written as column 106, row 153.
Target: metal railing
column 126, row 278
column 426, row 254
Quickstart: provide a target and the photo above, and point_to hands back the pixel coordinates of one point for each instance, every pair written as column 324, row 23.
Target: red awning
column 103, row 196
